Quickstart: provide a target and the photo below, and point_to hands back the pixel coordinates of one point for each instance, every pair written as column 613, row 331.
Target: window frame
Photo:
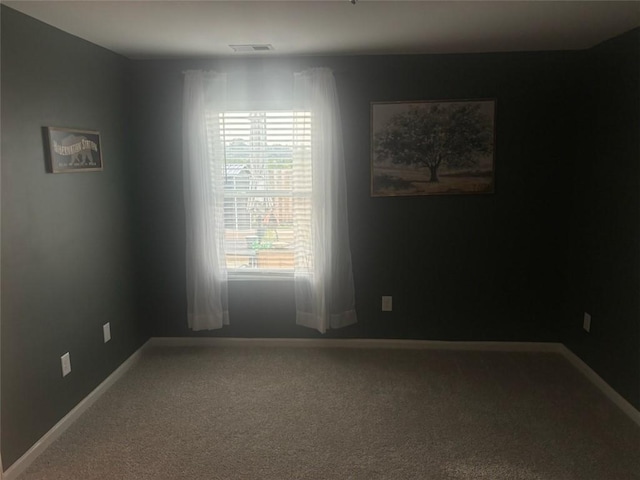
column 263, row 274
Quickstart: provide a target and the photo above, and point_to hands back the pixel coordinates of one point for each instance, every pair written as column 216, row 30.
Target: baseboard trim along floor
column 23, row 462
column 65, row 422
column 353, row 343
column 602, row 385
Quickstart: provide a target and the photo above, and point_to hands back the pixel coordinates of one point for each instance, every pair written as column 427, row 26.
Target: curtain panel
column 203, row 179
column 325, row 296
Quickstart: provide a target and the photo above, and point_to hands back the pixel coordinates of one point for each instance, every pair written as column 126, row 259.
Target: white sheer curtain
column 324, row 290
column 203, row 177
column 325, row 294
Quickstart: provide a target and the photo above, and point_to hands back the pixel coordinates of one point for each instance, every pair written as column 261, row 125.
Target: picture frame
column 70, row 150
column 432, row 147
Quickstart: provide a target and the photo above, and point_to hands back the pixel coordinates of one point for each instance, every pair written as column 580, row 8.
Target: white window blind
column 268, row 183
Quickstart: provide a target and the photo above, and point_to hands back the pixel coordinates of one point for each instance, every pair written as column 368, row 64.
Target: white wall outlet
column 65, row 360
column 586, row 323
column 106, row 332
column 387, row 303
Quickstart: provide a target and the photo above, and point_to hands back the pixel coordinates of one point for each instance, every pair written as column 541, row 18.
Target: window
column 267, row 195
column 280, row 176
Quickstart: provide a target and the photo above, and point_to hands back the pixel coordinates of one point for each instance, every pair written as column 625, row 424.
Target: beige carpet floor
column 322, row 413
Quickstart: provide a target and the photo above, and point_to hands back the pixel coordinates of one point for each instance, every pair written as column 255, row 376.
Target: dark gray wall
column 605, row 255
column 67, row 243
column 459, row 267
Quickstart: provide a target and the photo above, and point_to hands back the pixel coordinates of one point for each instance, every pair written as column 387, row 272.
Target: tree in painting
column 433, row 135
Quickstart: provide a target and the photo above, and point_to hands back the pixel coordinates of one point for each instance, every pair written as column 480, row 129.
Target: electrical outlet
column 586, row 323
column 106, row 332
column 65, row 360
column 387, row 303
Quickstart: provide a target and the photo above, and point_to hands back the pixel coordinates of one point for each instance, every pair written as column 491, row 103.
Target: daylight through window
column 267, row 196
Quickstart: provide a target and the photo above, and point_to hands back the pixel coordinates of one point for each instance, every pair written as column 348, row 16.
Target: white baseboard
column 352, row 343
column 601, row 384
column 58, row 429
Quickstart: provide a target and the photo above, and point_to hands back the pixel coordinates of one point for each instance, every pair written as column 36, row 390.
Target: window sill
column 238, row 275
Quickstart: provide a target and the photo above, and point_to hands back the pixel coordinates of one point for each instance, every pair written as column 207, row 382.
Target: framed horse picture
column 71, row 150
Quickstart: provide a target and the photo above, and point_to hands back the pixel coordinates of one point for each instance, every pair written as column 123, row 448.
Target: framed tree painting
column 442, row 147
column 71, row 150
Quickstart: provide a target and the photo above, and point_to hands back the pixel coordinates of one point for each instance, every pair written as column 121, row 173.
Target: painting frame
column 72, row 150
column 456, row 157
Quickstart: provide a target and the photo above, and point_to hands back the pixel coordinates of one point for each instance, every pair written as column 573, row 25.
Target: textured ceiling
column 172, row 29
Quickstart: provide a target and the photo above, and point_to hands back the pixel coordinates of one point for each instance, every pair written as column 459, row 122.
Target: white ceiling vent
column 252, row 48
